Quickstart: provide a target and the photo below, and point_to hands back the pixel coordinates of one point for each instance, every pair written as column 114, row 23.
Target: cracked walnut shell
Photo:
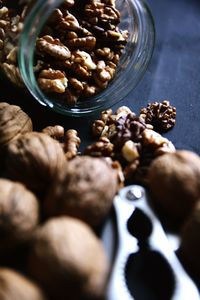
column 85, row 190
column 35, row 159
column 13, row 122
column 68, row 260
column 19, row 214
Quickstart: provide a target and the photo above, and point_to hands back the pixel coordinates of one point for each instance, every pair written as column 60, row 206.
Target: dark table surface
column 173, row 74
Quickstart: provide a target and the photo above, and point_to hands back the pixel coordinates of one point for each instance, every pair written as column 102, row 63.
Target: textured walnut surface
column 14, row 286
column 174, row 182
column 162, row 116
column 85, row 190
column 190, row 243
column 81, row 265
column 35, row 159
column 19, row 214
column 13, row 122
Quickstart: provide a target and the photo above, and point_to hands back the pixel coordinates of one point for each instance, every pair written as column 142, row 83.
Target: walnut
column 102, row 13
column 76, row 84
column 85, row 189
column 97, row 127
column 52, row 81
column 128, row 127
column 14, row 286
column 68, row 260
column 174, row 183
column 52, row 47
column 13, row 74
column 13, row 123
column 19, row 215
column 56, row 132
column 90, row 90
column 105, row 52
column 68, row 22
column 104, row 73
column 161, row 115
column 84, row 59
column 189, row 249
column 156, row 142
column 71, row 143
column 122, row 111
column 103, row 147
column 39, row 156
column 83, row 43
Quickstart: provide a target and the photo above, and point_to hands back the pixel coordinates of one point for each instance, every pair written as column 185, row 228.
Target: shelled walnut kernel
column 77, row 52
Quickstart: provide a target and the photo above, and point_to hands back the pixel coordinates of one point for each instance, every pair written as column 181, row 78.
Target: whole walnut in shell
column 190, row 244
column 34, row 159
column 68, row 260
column 14, row 286
column 174, row 181
column 85, row 190
column 19, row 214
column 13, row 122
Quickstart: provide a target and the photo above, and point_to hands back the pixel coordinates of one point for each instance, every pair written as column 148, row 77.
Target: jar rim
column 132, row 66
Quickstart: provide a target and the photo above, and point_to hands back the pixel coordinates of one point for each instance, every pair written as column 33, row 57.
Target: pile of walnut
column 131, row 139
column 77, row 52
column 51, row 197
column 50, row 207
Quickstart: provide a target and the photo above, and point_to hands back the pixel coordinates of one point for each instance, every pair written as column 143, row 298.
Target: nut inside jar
column 78, row 50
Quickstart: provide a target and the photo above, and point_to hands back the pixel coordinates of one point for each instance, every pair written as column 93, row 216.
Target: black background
column 173, row 74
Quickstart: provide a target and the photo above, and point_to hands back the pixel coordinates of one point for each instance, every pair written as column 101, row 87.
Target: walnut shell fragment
column 13, row 122
column 68, row 260
column 85, row 190
column 174, row 181
column 35, row 159
column 14, row 286
column 19, row 214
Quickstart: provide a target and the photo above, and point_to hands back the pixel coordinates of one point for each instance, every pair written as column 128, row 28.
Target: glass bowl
column 135, row 17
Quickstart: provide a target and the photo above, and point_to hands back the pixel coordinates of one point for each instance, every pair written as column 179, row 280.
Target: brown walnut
column 190, row 244
column 19, row 214
column 85, row 190
column 13, row 122
column 68, row 260
column 174, row 181
column 35, row 159
column 14, row 286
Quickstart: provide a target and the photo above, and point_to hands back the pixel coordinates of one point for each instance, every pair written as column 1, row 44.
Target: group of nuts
column 78, row 50
column 50, row 207
column 54, row 199
column 131, row 139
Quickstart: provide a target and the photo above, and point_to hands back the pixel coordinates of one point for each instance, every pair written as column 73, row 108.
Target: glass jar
column 135, row 17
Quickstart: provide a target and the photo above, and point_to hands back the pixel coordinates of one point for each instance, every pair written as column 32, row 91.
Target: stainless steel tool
column 129, row 204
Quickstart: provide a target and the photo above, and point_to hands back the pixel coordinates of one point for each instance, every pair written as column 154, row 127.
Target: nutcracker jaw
column 141, row 238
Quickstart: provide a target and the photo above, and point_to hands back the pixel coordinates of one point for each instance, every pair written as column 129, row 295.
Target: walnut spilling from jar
column 82, row 42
